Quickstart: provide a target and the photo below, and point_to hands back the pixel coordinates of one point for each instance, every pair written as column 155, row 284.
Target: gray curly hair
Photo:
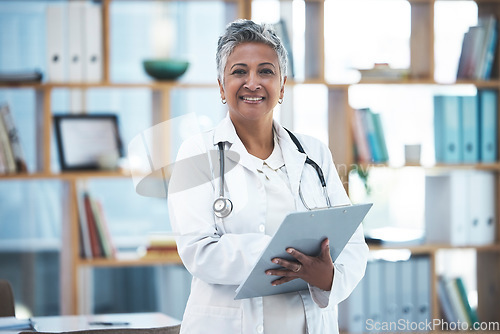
column 243, row 31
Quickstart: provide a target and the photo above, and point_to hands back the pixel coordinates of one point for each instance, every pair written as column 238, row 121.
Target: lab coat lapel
column 294, row 160
column 225, row 132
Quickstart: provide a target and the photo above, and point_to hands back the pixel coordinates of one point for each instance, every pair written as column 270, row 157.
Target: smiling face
column 251, row 83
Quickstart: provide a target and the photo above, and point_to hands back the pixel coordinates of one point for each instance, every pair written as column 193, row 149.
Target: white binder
column 75, row 40
column 56, row 43
column 481, row 219
column 303, row 231
column 446, row 208
column 92, row 53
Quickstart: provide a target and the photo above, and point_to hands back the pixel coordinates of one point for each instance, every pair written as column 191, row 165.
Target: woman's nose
column 252, row 83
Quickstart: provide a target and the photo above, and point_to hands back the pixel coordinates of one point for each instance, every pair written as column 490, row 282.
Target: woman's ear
column 221, row 89
column 282, row 90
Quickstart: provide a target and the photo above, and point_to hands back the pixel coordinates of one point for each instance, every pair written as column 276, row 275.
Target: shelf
column 133, row 260
column 480, row 166
column 89, row 85
column 67, row 175
column 433, row 248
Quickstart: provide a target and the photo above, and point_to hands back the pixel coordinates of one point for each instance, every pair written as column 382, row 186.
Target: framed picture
column 88, row 141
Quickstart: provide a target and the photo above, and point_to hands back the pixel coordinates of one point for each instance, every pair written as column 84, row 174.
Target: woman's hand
column 315, row 270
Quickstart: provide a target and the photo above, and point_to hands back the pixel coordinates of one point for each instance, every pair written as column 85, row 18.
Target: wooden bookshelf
column 340, row 141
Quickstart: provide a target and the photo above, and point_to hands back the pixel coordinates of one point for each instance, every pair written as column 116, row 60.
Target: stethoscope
column 223, row 206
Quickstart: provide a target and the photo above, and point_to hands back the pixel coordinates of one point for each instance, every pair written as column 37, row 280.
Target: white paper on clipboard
column 303, row 231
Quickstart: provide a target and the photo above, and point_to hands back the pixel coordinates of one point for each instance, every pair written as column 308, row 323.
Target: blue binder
column 488, row 125
column 470, row 129
column 447, row 120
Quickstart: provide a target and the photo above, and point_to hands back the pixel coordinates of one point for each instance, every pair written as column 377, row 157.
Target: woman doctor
column 265, row 178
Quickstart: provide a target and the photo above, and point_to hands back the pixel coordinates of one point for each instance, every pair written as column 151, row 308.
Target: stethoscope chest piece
column 222, row 207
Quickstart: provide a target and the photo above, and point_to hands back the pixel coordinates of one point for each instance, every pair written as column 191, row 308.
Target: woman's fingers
column 315, row 270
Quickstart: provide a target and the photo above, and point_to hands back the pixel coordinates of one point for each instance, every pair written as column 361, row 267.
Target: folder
column 75, row 40
column 470, row 129
column 56, row 43
column 446, row 205
column 488, row 125
column 447, row 119
column 337, row 224
column 92, row 52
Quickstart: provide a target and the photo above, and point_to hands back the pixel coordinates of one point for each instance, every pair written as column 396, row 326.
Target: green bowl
column 165, row 69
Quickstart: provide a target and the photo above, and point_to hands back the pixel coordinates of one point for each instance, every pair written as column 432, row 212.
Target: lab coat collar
column 294, row 160
column 225, row 132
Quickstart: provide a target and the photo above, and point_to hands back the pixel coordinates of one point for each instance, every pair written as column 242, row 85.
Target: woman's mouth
column 252, row 99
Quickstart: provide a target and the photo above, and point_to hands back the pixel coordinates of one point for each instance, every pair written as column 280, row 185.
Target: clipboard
column 303, row 231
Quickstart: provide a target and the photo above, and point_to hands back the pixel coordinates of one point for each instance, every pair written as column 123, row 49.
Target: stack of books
column 11, row 153
column 161, row 245
column 369, row 139
column 95, row 239
column 478, row 50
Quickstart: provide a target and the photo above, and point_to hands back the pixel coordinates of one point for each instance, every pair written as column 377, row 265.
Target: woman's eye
column 238, row 72
column 267, row 71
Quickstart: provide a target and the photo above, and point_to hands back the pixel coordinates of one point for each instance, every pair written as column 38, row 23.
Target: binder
column 446, row 205
column 447, row 119
column 92, row 52
column 75, row 40
column 422, row 271
column 373, row 296
column 390, row 307
column 469, row 129
column 56, row 43
column 488, row 125
column 406, row 286
column 482, row 217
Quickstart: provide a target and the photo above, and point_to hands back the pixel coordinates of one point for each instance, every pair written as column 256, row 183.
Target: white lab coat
column 219, row 253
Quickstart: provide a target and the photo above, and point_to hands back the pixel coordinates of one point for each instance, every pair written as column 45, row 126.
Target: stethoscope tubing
column 223, row 206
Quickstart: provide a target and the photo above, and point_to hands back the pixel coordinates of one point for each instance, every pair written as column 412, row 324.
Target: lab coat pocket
column 212, row 319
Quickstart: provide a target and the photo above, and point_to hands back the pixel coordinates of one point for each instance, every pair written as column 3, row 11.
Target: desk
column 81, row 322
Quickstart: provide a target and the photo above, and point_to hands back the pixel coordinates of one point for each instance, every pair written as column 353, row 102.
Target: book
column 13, row 135
column 488, row 47
column 471, row 313
column 85, row 243
column 374, row 134
column 21, row 76
column 93, row 233
column 6, row 148
column 362, row 149
column 445, row 302
column 383, row 72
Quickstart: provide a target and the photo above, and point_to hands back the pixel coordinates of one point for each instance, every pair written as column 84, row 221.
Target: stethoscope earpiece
column 222, row 207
